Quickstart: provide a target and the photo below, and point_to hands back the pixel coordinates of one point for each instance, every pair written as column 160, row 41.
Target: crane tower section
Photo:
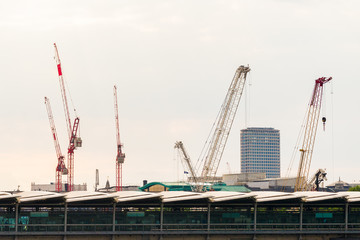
column 120, row 156
column 309, row 134
column 60, row 167
column 223, row 126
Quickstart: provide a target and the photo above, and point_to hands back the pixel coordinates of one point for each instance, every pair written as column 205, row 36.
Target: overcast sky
column 173, row 62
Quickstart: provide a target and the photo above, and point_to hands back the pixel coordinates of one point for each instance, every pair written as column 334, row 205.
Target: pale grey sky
column 172, row 62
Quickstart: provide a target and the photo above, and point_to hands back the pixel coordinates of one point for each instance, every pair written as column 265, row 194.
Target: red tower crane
column 120, row 156
column 74, row 140
column 60, row 168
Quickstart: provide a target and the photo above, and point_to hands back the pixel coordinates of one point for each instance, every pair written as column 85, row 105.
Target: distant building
column 242, row 178
column 51, row 187
column 260, row 151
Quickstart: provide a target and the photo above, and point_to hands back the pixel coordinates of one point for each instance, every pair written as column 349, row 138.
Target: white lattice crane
column 187, row 164
column 219, row 135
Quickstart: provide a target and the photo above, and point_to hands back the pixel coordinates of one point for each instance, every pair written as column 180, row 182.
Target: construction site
column 202, row 175
column 255, row 203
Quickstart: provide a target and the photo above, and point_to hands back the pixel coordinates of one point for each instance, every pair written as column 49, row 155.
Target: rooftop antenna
column 96, row 179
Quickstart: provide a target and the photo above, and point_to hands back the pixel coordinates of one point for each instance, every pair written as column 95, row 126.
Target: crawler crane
column 217, row 143
column 312, row 118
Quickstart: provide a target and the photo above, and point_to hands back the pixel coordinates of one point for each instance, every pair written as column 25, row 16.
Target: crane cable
column 332, row 131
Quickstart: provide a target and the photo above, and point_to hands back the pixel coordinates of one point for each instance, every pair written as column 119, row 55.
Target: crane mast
column 312, row 118
column 74, row 141
column 120, row 156
column 60, row 168
column 224, row 124
column 187, row 162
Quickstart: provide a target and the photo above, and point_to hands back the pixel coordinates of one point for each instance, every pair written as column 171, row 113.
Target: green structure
column 182, row 186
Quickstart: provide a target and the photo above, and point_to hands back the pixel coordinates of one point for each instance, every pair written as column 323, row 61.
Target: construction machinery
column 186, row 162
column 216, row 144
column 74, row 140
column 309, row 134
column 314, row 182
column 60, row 168
column 120, row 156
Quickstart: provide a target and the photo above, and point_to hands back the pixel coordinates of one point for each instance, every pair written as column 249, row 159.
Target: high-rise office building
column 260, row 151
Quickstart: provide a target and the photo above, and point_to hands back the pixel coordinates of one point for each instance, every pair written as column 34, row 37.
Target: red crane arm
column 63, row 92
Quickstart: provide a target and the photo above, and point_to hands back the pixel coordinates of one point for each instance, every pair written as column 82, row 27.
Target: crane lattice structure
column 186, row 162
column 74, row 140
column 217, row 143
column 227, row 115
column 60, row 168
column 120, row 156
column 310, row 128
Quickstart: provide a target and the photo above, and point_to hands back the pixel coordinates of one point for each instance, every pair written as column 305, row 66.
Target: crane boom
column 224, row 124
column 120, row 156
column 187, row 162
column 63, row 92
column 60, row 168
column 312, row 119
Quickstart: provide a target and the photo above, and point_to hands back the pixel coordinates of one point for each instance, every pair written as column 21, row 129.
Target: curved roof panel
column 220, row 196
column 128, row 196
column 81, row 196
column 313, row 196
column 179, row 196
column 39, row 196
column 268, row 196
column 7, row 198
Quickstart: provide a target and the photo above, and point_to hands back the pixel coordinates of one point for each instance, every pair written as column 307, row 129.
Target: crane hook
column 324, row 121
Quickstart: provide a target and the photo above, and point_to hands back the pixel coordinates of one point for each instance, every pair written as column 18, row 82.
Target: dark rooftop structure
column 166, row 213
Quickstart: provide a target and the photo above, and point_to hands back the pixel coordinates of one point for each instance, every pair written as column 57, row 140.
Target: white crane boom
column 224, row 124
column 187, row 163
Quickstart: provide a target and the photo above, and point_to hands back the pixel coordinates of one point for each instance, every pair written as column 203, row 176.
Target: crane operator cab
column 78, row 142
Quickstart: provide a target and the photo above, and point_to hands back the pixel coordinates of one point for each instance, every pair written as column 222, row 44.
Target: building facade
column 260, row 151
